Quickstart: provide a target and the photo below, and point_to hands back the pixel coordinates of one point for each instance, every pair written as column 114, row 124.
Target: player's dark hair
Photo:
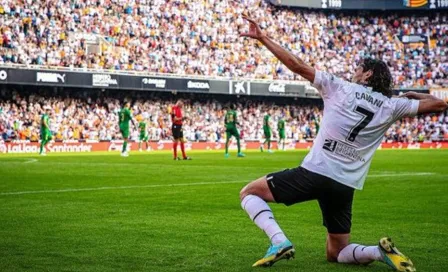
column 232, row 106
column 381, row 79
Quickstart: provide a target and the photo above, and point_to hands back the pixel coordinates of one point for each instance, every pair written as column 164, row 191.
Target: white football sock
column 261, row 214
column 359, row 254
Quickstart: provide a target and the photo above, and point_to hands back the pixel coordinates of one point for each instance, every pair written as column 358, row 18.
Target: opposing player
column 45, row 132
column 267, row 131
column 125, row 116
column 281, row 133
column 231, row 130
column 178, row 134
column 356, row 116
column 143, row 134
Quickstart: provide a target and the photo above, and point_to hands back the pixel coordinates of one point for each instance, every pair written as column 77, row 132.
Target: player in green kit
column 267, row 131
column 143, row 137
column 45, row 133
column 281, row 133
column 125, row 116
column 231, row 130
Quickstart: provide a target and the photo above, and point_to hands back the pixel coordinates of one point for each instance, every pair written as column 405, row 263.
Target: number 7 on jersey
column 367, row 117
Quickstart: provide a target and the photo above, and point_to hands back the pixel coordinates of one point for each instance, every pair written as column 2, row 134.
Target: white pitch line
column 119, row 187
column 400, row 174
column 179, row 184
column 31, row 161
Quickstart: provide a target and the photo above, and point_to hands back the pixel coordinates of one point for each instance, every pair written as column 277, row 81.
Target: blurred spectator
column 93, row 115
column 201, row 38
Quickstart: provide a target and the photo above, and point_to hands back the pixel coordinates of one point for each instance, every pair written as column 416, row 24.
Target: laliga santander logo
column 3, row 147
column 290, row 145
column 160, row 146
column 114, row 146
column 68, row 148
column 18, row 147
column 414, row 146
column 26, row 147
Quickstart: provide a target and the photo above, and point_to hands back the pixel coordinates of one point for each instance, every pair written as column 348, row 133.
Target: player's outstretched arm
column 291, row 61
column 428, row 103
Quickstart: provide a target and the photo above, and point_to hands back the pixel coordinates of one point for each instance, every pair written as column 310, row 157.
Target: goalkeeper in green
column 281, row 133
column 45, row 132
column 231, row 130
column 125, row 116
column 143, row 136
column 267, row 132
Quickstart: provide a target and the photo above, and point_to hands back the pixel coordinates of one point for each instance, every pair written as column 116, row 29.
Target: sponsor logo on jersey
column 343, row 150
column 329, row 145
column 50, row 77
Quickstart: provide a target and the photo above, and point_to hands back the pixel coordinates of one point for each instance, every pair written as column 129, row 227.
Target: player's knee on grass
column 336, row 243
column 258, row 188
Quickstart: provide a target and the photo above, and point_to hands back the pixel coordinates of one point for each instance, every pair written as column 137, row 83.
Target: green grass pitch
column 102, row 212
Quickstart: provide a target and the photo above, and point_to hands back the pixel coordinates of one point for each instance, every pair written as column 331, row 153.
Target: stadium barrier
column 123, row 80
column 365, row 4
column 147, row 82
column 93, row 146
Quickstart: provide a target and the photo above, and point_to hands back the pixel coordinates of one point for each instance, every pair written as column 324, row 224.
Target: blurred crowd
column 87, row 117
column 97, row 119
column 201, row 38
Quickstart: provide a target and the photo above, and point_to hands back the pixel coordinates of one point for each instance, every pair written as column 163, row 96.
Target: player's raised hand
column 254, row 29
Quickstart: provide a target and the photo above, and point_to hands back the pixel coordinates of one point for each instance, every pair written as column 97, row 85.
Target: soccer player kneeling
column 356, row 116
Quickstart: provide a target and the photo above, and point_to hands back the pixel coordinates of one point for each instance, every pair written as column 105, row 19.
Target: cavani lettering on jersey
column 370, row 99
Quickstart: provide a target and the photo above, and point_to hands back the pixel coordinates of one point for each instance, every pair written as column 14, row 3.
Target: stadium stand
column 201, row 38
column 85, row 114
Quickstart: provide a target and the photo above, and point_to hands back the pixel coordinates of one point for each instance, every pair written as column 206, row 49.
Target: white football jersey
column 353, row 125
